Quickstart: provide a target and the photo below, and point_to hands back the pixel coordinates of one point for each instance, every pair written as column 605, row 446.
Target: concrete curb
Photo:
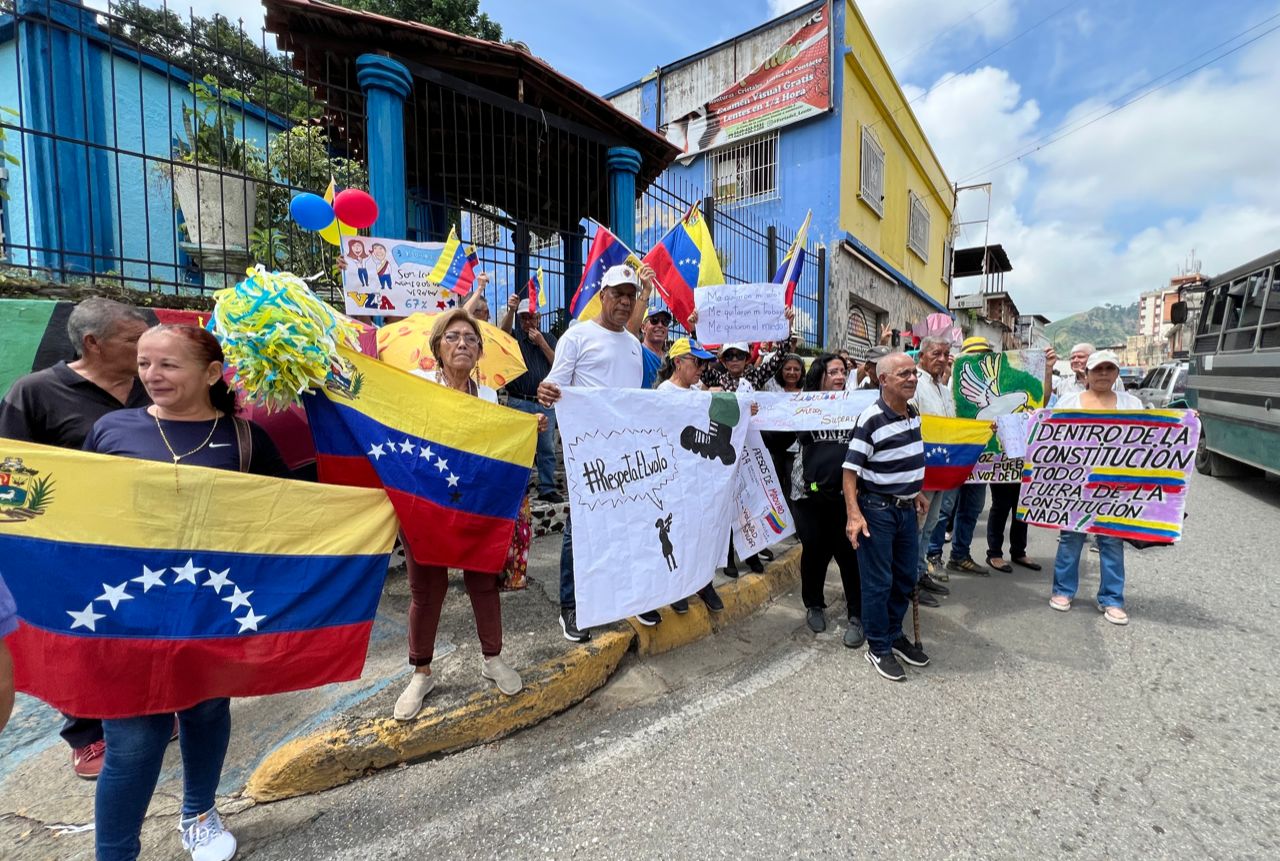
column 742, row 597
column 336, row 756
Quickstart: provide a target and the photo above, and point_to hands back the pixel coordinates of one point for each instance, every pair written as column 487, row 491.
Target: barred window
column 918, row 227
column 746, row 172
column 871, row 181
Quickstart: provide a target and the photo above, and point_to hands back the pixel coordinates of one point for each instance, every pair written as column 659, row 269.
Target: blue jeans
column 135, row 751
column 887, row 561
column 1066, row 567
column 936, row 503
column 546, row 457
column 567, row 599
column 967, row 503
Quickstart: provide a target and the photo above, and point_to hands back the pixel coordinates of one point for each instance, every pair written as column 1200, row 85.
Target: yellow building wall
column 873, row 98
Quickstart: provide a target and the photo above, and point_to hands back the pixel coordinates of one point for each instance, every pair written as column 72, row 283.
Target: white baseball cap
column 523, row 307
column 740, row 346
column 616, row 276
column 1101, row 357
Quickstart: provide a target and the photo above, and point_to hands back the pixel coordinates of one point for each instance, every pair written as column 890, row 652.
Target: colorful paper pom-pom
column 280, row 337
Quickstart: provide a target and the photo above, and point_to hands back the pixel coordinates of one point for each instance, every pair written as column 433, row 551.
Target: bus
column 1234, row 378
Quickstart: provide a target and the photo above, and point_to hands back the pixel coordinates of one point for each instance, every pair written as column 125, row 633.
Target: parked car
column 1163, row 385
column 1131, row 376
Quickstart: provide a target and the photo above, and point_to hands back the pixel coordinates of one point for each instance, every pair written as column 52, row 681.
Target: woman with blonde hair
column 457, row 345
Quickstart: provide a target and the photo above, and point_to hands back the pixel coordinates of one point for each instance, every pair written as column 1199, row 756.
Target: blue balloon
column 311, row 211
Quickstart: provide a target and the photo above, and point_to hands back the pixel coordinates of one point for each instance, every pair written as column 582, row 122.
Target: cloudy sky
column 1092, row 207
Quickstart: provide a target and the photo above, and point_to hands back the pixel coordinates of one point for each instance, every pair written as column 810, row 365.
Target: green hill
column 1103, row 326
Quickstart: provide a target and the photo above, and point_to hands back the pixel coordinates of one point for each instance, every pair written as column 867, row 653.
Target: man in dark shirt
column 59, row 406
column 539, row 351
column 884, row 472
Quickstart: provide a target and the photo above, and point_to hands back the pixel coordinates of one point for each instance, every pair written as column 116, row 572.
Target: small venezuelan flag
column 455, row 467
column 951, row 449
column 793, row 264
column 135, row 597
column 456, row 268
column 606, row 252
column 683, row 259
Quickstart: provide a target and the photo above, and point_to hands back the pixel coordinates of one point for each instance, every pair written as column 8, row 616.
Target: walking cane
column 915, row 615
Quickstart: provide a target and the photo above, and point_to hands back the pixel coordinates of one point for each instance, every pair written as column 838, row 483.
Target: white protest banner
column 1005, row 466
column 389, row 277
column 1011, row 430
column 809, row 411
column 761, row 513
column 742, row 312
column 651, row 482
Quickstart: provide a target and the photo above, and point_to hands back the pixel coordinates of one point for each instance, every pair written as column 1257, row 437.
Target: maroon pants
column 428, row 585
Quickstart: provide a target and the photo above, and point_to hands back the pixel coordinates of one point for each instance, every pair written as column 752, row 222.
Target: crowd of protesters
column 855, row 493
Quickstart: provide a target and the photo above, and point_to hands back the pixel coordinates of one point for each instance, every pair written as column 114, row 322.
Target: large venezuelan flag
column 455, row 467
column 137, row 596
column 951, row 449
column 684, row 259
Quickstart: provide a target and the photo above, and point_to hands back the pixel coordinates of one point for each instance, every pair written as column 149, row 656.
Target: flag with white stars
column 455, row 466
column 951, row 449
column 137, row 594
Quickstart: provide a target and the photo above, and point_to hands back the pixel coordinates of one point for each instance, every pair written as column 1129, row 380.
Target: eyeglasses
column 907, row 374
column 455, row 337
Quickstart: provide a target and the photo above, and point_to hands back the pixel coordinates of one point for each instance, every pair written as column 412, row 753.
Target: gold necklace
column 177, row 457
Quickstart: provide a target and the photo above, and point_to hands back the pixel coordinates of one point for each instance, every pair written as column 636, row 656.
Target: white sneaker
column 206, row 838
column 410, row 702
column 507, row 679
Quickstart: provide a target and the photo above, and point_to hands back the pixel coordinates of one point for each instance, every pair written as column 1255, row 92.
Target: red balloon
column 356, row 208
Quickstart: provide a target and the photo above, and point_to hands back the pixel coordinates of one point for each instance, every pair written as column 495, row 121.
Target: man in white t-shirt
column 601, row 354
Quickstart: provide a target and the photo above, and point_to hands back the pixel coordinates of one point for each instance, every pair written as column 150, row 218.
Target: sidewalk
column 292, row 744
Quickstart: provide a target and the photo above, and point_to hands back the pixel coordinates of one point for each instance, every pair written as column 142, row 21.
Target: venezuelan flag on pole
column 136, row 597
column 536, row 292
column 793, row 264
column 455, row 467
column 951, row 449
column 607, row 251
column 456, row 268
column 684, row 259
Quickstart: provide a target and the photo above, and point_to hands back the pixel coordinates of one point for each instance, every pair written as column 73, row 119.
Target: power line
column 1067, row 129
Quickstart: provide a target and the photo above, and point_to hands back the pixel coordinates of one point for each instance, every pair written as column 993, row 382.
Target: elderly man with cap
column 865, row 378
column 597, row 353
column 883, row 475
column 1076, row 382
column 539, row 351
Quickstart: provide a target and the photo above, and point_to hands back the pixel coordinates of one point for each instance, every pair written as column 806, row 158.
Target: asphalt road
column 1033, row 734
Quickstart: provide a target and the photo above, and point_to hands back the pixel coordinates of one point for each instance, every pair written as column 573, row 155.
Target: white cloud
column 910, row 31
column 1112, row 210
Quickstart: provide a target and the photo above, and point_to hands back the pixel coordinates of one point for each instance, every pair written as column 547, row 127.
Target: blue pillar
column 623, row 163
column 71, row 224
column 386, row 85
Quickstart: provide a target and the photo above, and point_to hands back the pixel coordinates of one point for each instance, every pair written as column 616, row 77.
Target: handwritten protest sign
column 761, row 514
column 807, row 411
column 651, row 480
column 741, row 312
column 389, row 277
column 1115, row 473
column 991, row 385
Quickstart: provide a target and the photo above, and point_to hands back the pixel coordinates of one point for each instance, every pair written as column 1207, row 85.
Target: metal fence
column 160, row 151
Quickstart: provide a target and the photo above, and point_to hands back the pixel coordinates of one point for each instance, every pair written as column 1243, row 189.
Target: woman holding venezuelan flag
column 457, row 345
column 191, row 422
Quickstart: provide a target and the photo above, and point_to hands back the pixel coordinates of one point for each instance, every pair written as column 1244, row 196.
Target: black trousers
column 80, row 732
column 820, row 523
column 1004, row 506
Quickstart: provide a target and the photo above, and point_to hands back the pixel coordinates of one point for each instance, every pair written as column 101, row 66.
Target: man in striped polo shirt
column 884, row 471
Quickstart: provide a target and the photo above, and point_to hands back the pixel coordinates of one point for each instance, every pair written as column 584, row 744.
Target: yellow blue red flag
column 141, row 594
column 951, row 449
column 683, row 259
column 455, row 467
column 456, row 267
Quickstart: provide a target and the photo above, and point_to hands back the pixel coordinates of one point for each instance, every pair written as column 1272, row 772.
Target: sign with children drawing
column 388, row 277
column 990, row 385
column 652, row 481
